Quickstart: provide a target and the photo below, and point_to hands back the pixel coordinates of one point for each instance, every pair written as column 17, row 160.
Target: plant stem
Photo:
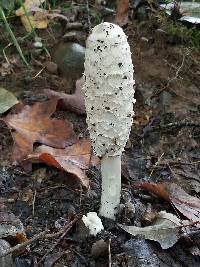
column 14, row 40
column 111, row 185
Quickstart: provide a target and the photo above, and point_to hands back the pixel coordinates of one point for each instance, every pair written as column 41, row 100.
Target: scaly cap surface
column 109, row 93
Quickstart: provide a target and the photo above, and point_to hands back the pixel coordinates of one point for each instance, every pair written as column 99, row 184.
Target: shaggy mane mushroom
column 109, row 98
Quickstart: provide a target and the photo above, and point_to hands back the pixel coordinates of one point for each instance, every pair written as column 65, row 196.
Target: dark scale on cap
column 120, row 64
column 99, row 48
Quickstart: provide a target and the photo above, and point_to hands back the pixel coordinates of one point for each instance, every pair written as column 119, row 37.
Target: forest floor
column 163, row 147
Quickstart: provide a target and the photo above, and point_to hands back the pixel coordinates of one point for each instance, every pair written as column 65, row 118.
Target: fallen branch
column 41, row 235
column 64, row 232
column 25, row 244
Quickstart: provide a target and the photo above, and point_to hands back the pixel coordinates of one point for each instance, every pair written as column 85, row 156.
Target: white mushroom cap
column 109, row 89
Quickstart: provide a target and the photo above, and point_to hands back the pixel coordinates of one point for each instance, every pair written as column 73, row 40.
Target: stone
column 6, row 261
column 69, row 58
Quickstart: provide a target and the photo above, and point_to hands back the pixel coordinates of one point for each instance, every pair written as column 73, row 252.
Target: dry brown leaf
column 122, row 12
column 74, row 159
column 33, row 124
column 74, row 102
column 32, row 19
column 188, row 205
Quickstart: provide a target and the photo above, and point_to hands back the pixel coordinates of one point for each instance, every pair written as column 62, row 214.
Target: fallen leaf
column 188, row 205
column 34, row 17
column 33, row 124
column 7, row 100
column 10, row 225
column 142, row 119
column 74, row 102
column 74, row 159
column 165, row 230
column 122, row 12
column 31, row 19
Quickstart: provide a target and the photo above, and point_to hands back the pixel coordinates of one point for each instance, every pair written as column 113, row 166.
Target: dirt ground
column 163, row 147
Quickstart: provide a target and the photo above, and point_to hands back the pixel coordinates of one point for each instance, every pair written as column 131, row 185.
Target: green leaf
column 7, row 100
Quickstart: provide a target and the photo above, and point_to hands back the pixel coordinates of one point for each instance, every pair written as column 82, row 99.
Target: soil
column 163, row 146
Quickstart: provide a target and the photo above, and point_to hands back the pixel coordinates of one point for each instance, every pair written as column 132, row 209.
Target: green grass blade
column 14, row 40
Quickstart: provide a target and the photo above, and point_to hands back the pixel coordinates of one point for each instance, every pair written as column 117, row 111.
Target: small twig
column 172, row 125
column 177, row 71
column 80, row 256
column 14, row 40
column 25, row 244
column 4, row 53
column 156, row 164
column 109, row 253
column 65, row 231
column 33, row 203
column 38, row 73
column 175, row 76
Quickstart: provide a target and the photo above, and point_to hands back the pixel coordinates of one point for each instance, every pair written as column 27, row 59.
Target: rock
column 6, row 261
column 99, row 248
column 165, row 99
column 70, row 60
column 143, row 253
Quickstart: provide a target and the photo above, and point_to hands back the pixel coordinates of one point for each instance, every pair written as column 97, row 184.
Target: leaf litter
column 188, row 205
column 114, row 256
column 33, row 124
column 74, row 159
column 165, row 229
column 7, row 100
column 61, row 147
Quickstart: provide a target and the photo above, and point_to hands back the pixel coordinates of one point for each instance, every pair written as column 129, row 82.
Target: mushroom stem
column 111, row 185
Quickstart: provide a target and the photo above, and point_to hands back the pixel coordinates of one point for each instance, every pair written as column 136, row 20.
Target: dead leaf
column 7, row 100
column 31, row 19
column 165, row 229
column 74, row 102
column 10, row 225
column 121, row 18
column 74, row 159
column 142, row 119
column 188, row 205
column 33, row 124
column 34, row 17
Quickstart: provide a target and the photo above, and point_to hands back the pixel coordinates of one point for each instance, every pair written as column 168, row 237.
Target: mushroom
column 109, row 98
